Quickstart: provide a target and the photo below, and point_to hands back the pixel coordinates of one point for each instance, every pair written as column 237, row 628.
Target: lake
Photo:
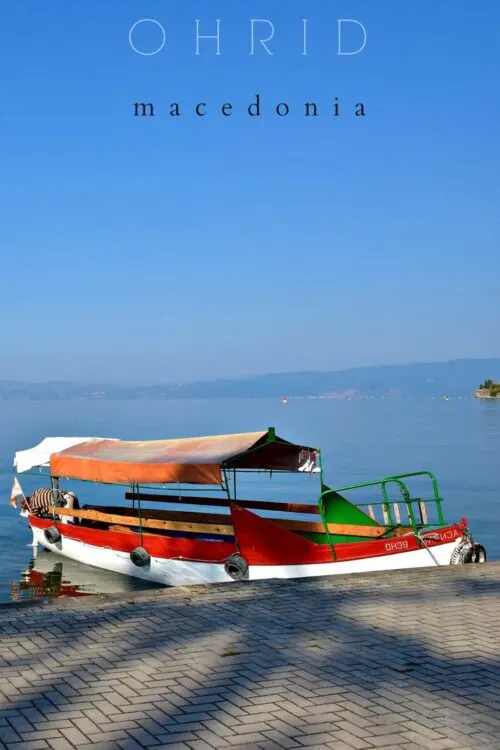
column 459, row 440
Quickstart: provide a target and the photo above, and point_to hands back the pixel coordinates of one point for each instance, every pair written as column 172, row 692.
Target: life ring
column 52, row 535
column 140, row 557
column 236, row 567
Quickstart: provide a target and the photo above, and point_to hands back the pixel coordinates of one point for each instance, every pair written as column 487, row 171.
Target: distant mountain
column 458, row 377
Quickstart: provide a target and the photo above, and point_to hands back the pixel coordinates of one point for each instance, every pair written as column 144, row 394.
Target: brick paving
column 391, row 660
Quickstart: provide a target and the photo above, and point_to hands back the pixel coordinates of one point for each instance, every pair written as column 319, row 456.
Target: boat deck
column 390, row 660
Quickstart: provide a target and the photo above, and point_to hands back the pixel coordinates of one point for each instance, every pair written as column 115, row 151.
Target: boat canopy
column 198, row 460
column 39, row 456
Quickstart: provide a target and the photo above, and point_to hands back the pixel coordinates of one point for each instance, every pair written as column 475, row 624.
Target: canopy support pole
column 225, row 484
column 135, row 488
column 54, row 485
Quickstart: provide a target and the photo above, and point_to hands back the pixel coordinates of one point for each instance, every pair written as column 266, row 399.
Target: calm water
column 361, row 440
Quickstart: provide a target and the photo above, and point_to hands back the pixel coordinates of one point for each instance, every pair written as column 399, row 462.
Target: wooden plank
column 165, row 515
column 293, row 525
column 218, row 502
column 343, row 529
column 218, row 527
column 215, row 502
column 111, row 518
column 423, row 511
column 123, row 529
column 402, row 531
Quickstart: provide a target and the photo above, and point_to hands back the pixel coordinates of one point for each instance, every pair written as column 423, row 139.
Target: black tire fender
column 140, row 557
column 236, row 567
column 468, row 553
column 52, row 535
column 462, row 554
column 478, row 554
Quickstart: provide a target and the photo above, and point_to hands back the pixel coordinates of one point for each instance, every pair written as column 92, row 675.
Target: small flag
column 16, row 492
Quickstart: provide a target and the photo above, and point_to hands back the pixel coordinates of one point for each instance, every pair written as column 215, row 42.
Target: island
column 488, row 389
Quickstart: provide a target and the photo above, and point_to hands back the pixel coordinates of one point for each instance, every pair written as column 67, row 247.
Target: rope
column 419, row 536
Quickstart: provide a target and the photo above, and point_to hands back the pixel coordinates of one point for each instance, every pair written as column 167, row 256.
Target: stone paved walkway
column 398, row 660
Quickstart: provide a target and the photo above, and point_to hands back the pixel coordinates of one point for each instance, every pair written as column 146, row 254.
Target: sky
column 170, row 249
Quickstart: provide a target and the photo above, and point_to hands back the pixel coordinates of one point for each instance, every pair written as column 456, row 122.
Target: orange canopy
column 185, row 460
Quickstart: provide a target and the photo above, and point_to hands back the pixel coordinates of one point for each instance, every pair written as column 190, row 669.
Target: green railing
column 417, row 509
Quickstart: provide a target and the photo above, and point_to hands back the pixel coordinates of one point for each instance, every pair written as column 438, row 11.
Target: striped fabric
column 43, row 499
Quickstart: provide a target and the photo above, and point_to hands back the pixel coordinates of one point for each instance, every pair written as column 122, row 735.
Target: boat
column 219, row 537
column 284, row 400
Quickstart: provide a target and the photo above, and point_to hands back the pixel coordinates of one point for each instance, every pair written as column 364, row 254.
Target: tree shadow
column 400, row 659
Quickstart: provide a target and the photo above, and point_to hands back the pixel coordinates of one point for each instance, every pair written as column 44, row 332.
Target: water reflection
column 50, row 576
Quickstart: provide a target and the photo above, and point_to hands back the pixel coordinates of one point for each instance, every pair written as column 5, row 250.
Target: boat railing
column 405, row 511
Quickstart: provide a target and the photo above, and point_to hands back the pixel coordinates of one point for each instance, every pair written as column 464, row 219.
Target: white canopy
column 40, row 455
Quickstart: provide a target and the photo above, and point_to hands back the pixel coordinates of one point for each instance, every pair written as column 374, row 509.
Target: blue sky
column 176, row 249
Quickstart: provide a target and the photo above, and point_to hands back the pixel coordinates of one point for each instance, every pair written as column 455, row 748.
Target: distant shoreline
column 440, row 380
column 361, row 397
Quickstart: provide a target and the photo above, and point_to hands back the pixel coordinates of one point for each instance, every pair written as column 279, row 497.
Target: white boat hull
column 175, row 572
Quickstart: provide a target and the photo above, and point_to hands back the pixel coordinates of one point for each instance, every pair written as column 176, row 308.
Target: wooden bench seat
column 205, row 523
column 223, row 502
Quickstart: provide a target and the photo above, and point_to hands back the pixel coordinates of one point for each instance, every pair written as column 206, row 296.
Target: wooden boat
column 219, row 537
